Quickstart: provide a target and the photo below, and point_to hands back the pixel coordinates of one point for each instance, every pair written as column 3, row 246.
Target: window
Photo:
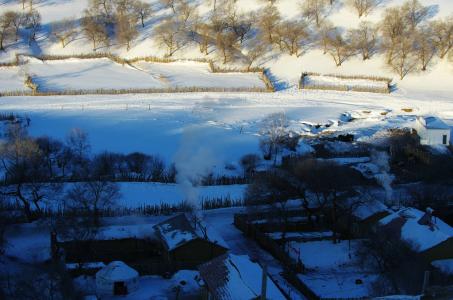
column 444, row 139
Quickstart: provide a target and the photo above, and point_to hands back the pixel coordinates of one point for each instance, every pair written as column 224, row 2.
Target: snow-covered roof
column 369, row 208
column 118, row 232
column 117, row 271
column 421, row 237
column 179, row 230
column 431, row 122
column 235, row 277
column 444, row 265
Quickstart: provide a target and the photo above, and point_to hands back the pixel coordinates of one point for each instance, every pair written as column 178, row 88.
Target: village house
column 236, row 277
column 187, row 242
column 366, row 215
column 432, row 131
column 425, row 234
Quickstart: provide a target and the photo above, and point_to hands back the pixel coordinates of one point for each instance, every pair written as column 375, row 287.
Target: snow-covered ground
column 333, row 269
column 12, row 79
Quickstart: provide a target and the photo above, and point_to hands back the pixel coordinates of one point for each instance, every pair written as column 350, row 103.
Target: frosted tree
column 273, row 132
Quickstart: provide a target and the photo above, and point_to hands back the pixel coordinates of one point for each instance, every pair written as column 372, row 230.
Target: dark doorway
column 119, row 288
column 444, row 139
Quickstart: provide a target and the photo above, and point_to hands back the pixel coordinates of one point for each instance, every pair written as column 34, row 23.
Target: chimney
column 264, row 282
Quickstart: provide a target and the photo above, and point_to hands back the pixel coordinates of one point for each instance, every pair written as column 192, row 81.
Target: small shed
column 116, row 278
column 237, row 277
column 432, row 131
column 188, row 243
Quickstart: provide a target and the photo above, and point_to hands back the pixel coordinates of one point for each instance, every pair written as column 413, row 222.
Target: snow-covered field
column 11, row 79
column 196, row 74
column 103, row 73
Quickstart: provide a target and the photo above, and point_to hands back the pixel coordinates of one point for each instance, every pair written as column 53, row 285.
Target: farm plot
column 345, row 83
column 87, row 74
column 196, row 74
column 102, row 75
column 11, row 79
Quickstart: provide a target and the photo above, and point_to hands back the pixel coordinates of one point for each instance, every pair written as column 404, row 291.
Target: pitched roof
column 421, row 237
column 431, row 122
column 179, row 230
column 234, row 277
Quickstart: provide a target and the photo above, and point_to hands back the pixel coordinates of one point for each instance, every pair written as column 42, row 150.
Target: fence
column 35, row 91
column 292, row 267
column 344, row 87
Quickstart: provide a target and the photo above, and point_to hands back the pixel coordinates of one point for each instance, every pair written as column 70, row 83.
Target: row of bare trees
column 35, row 169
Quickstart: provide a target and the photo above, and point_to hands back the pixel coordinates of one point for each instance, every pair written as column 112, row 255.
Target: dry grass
column 407, row 110
column 132, row 91
column 345, row 88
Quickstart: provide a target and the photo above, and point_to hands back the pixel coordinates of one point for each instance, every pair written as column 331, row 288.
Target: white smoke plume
column 193, row 161
column 384, row 178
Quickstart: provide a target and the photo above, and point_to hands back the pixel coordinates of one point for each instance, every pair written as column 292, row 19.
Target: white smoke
column 383, row 177
column 194, row 160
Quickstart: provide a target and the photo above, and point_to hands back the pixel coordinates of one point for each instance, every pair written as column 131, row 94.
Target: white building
column 432, row 131
column 116, row 278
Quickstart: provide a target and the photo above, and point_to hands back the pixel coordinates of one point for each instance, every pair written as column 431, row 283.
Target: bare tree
column 33, row 24
column 364, row 7
column 65, row 31
column 404, row 59
column 201, row 34
column 325, row 32
column 94, row 30
column 443, row 35
column 255, row 51
column 170, row 36
column 393, row 28
column 268, row 21
column 294, row 36
column 315, row 10
column 364, row 39
column 126, row 32
column 26, row 174
column 226, row 45
column 424, row 46
column 15, row 21
column 92, row 197
column 143, row 10
column 338, row 47
column 414, row 13
column 170, row 4
column 5, row 29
